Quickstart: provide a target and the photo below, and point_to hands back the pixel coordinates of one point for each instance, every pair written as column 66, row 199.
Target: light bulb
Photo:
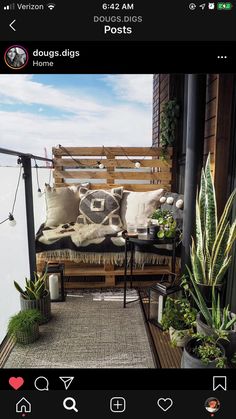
column 100, row 165
column 137, row 165
column 39, row 193
column 12, row 220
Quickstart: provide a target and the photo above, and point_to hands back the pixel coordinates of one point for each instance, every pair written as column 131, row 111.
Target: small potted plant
column 36, row 296
column 211, row 321
column 179, row 318
column 163, row 224
column 24, row 326
column 204, row 352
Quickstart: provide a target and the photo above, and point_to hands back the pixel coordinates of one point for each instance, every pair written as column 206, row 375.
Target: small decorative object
column 39, row 193
column 12, row 220
column 170, row 200
column 157, row 298
column 132, row 230
column 162, row 199
column 180, row 203
column 137, row 165
column 56, row 281
column 53, row 286
column 100, row 165
column 178, row 317
column 35, row 296
column 24, row 326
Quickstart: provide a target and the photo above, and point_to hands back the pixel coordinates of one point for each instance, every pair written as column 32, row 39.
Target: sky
column 38, row 111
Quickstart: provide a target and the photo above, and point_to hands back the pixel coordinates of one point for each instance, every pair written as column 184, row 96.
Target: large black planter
column 43, row 305
column 206, row 291
column 230, row 345
column 191, row 361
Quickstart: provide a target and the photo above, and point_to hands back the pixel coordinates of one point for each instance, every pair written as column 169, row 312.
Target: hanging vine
column 168, row 124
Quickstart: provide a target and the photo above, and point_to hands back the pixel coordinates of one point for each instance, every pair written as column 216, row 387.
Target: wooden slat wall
column 211, row 117
column 119, row 167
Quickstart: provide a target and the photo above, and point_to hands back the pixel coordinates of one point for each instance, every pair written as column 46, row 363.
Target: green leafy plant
column 34, row 290
column 168, row 124
column 212, row 246
column 178, row 314
column 207, row 349
column 217, row 318
column 166, row 222
column 23, row 322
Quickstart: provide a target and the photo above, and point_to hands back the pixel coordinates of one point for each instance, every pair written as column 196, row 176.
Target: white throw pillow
column 138, row 206
column 62, row 205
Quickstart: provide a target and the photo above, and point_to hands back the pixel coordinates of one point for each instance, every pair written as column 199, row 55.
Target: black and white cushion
column 100, row 206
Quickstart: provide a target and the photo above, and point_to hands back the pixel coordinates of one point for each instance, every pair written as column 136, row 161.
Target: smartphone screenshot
column 118, row 209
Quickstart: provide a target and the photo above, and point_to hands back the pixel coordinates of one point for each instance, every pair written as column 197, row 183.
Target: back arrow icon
column 11, row 25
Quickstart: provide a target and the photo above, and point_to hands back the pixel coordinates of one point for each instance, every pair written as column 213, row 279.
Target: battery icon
column 224, row 6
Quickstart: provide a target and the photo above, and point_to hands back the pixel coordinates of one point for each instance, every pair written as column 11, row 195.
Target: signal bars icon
column 9, row 7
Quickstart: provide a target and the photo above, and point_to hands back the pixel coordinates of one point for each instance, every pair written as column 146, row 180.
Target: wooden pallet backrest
column 119, row 167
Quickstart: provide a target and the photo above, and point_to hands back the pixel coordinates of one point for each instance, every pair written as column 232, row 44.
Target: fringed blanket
column 94, row 245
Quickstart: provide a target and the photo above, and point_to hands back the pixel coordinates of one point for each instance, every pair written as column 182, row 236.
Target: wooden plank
column 115, row 151
column 100, row 174
column 128, row 187
column 211, row 109
column 81, row 285
column 210, row 127
column 100, row 271
column 64, row 162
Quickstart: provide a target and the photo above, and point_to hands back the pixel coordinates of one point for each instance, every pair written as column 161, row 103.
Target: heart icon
column 165, row 404
column 16, row 382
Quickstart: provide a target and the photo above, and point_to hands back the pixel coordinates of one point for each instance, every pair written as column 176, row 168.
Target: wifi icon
column 51, row 6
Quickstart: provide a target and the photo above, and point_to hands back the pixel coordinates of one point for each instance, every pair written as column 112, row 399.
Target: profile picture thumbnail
column 16, row 57
column 212, row 405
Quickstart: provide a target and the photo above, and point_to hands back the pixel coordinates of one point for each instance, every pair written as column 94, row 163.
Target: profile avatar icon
column 212, row 405
column 16, row 57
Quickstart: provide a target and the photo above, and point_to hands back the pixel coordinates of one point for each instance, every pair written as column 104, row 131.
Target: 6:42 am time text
column 117, row 6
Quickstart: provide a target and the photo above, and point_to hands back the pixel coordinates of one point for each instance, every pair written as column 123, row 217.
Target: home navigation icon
column 219, row 382
column 67, row 381
column 23, row 406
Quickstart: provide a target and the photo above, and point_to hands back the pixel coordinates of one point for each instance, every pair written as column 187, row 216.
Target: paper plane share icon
column 67, row 381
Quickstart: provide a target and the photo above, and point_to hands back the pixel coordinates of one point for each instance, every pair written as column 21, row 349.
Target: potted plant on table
column 179, row 318
column 24, row 326
column 204, row 352
column 162, row 224
column 36, row 296
column 211, row 248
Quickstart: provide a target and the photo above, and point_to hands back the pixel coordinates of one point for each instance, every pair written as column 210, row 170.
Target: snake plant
column 212, row 245
column 34, row 289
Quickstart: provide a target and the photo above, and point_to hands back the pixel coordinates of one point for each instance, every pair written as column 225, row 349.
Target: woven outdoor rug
column 86, row 332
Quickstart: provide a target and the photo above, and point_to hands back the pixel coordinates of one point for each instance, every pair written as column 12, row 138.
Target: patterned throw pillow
column 100, row 206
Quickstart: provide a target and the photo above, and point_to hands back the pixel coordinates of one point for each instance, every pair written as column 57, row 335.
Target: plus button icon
column 117, row 404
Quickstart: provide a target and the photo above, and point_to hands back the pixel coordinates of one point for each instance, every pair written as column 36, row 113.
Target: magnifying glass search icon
column 70, row 404
column 41, row 383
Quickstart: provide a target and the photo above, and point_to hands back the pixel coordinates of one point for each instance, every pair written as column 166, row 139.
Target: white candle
column 53, row 287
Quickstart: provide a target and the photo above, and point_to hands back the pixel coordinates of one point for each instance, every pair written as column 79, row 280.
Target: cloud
column 88, row 122
column 132, row 87
column 22, row 89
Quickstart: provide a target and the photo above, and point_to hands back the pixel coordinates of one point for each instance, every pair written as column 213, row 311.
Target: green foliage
column 215, row 317
column 166, row 222
column 179, row 314
column 207, row 350
column 34, row 289
column 23, row 321
column 212, row 245
column 168, row 124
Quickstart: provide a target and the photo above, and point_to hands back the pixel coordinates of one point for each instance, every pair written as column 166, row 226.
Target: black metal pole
column 27, row 175
column 196, row 102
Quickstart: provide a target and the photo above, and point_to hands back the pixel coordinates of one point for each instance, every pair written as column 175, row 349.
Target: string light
column 37, row 177
column 10, row 218
column 137, row 165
